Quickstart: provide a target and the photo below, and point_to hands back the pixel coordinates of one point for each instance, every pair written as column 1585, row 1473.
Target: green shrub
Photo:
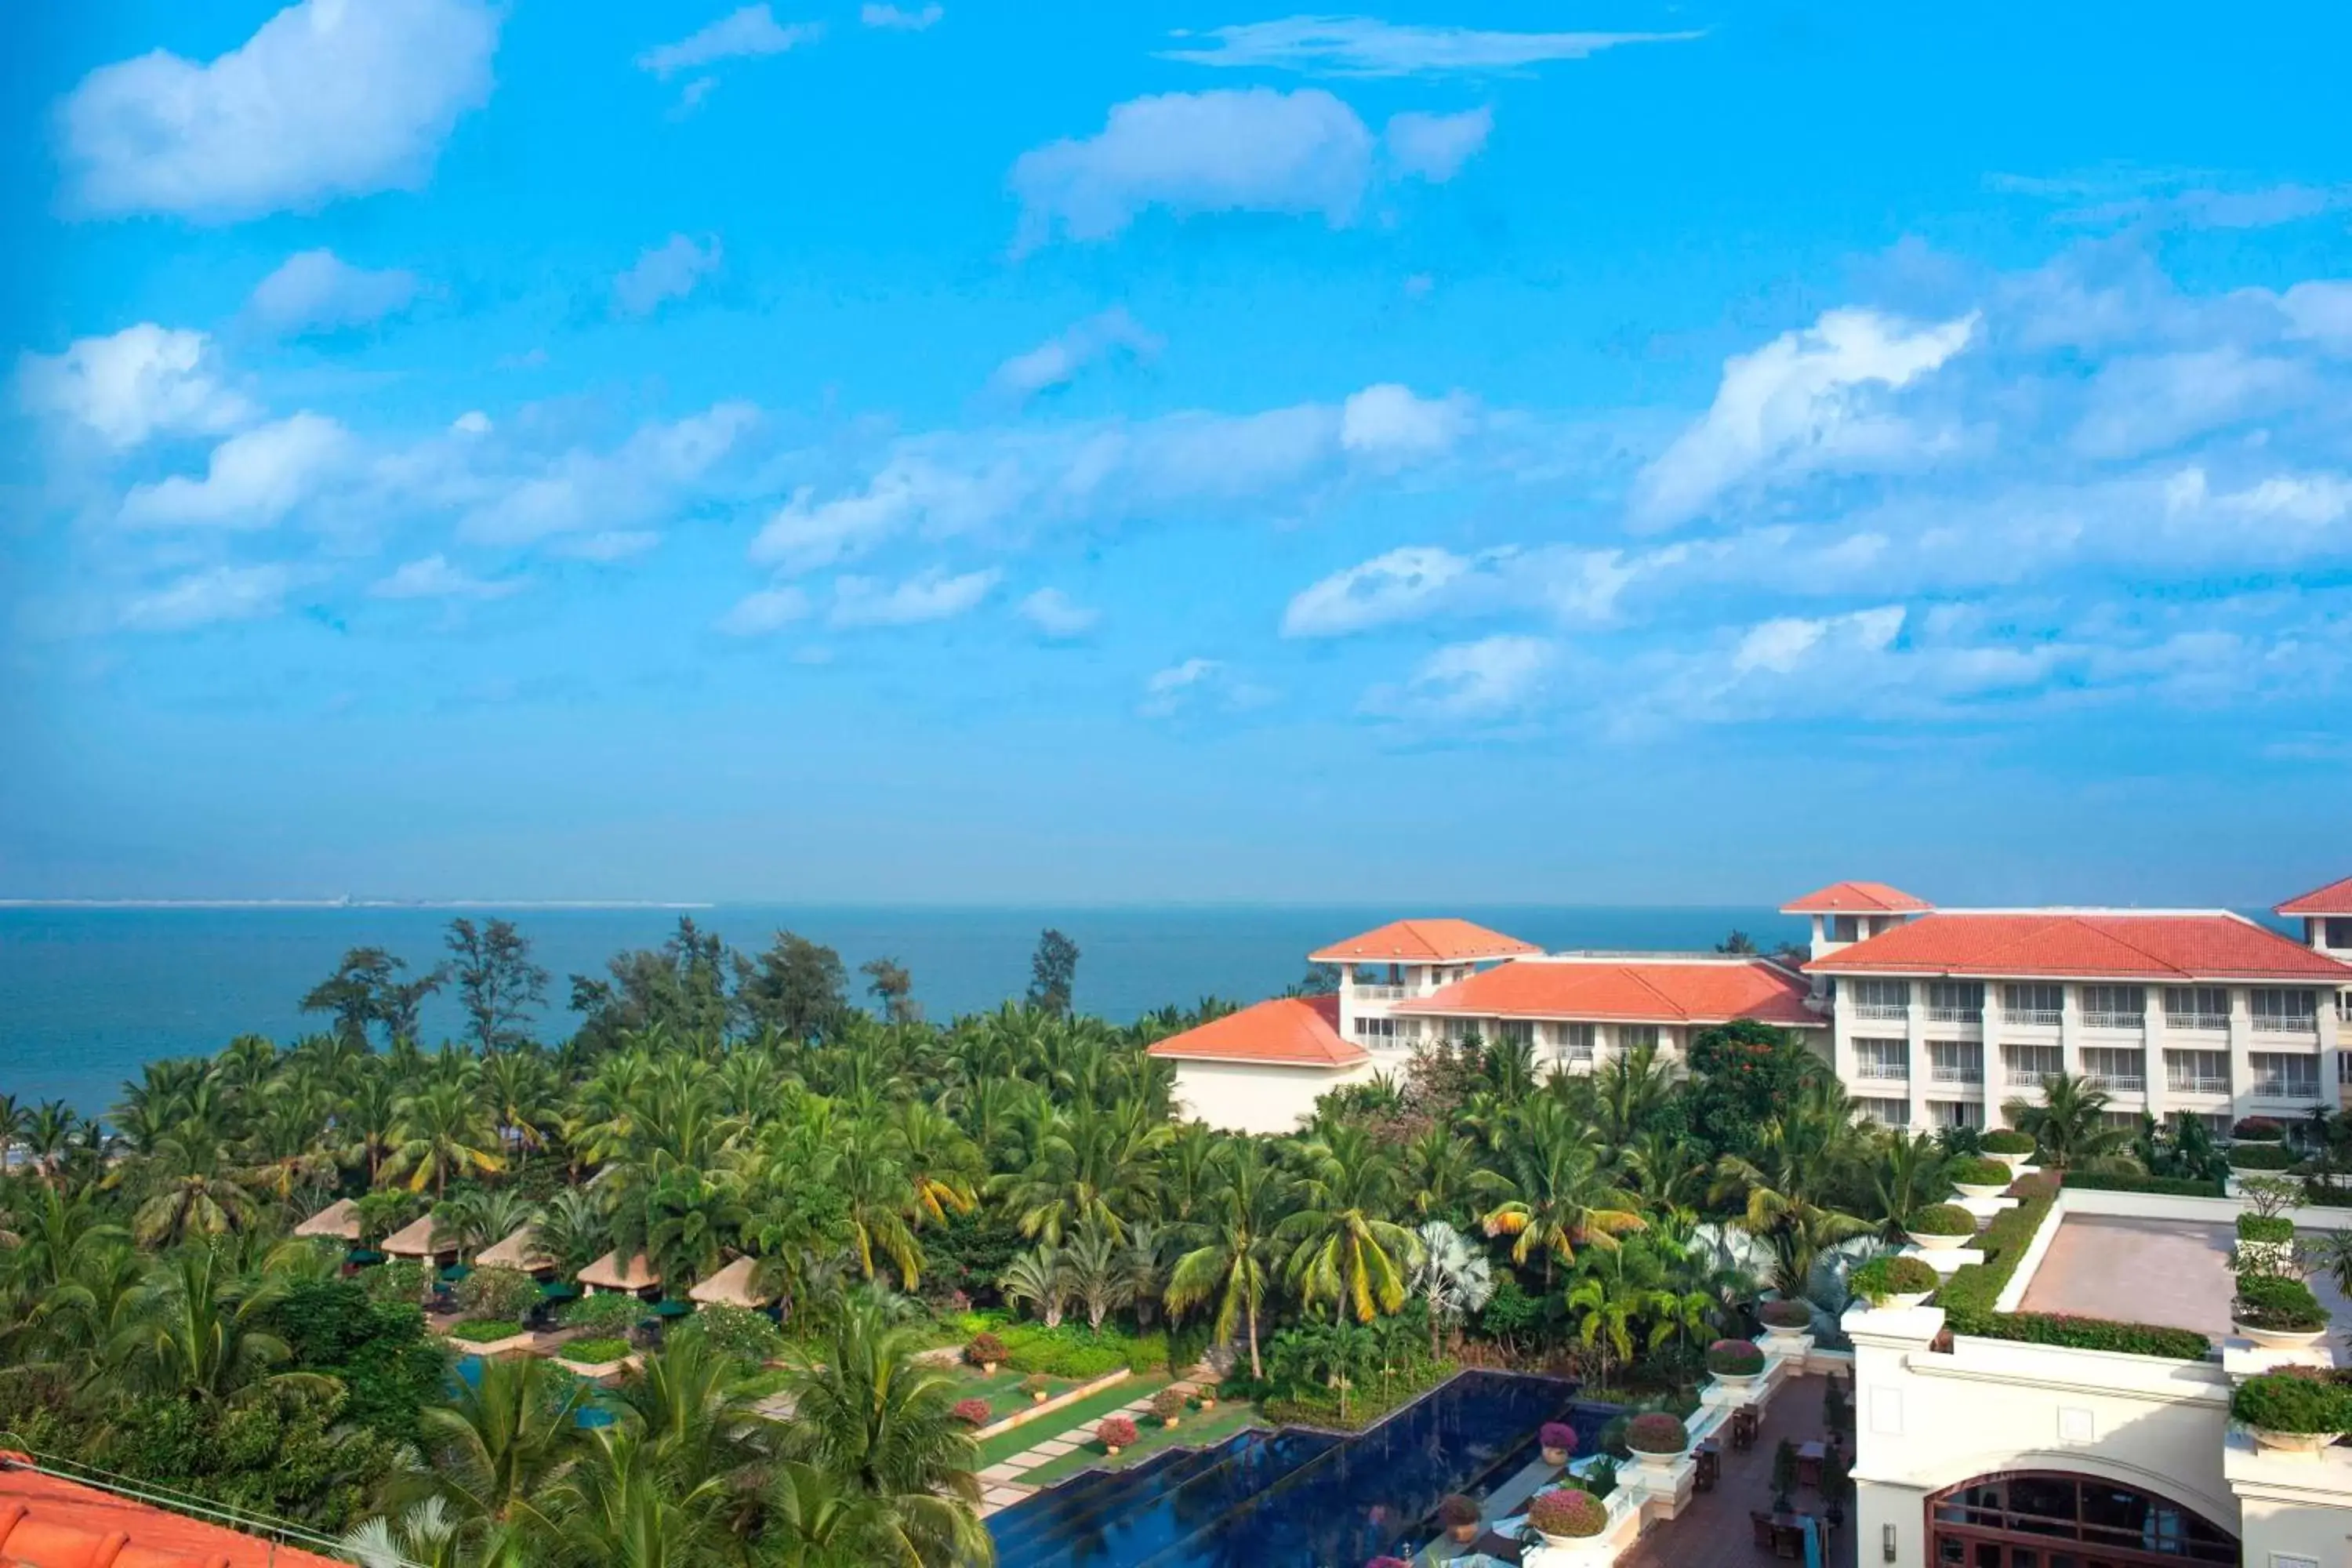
column 498, row 1293
column 2008, row 1141
column 606, row 1313
column 1978, row 1173
column 2082, row 1333
column 1611, row 1438
column 1034, row 1386
column 484, row 1331
column 1892, row 1275
column 1168, row 1403
column 1734, row 1358
column 1656, row 1432
column 750, row 1337
column 2258, row 1130
column 601, row 1350
column 2276, row 1303
column 1600, row 1476
column 2166, row 1186
column 2254, row 1227
column 2261, row 1157
column 1563, row 1510
column 2296, row 1399
column 1075, row 1351
column 1941, row 1219
column 403, row 1279
column 1787, row 1314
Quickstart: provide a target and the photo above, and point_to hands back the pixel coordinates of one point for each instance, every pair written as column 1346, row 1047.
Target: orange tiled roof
column 1424, row 941
column 48, row 1522
column 2091, row 943
column 1643, row 990
column 1289, row 1031
column 2336, row 899
column 1856, row 899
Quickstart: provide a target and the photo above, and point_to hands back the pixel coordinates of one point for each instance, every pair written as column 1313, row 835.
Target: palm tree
column 1343, row 1248
column 192, row 1188
column 443, row 1130
column 1439, row 1169
column 574, row 1229
column 690, row 1222
column 504, row 1439
column 1452, row 1277
column 1041, row 1278
column 1802, row 1158
column 2069, row 1126
column 624, row 1505
column 1909, row 1176
column 1097, row 1273
column 197, row 1333
column 482, row 1216
column 1236, row 1247
column 1606, row 1304
column 1562, row 1196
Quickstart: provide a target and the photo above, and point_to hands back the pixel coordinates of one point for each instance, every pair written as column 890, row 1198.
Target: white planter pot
column 2011, row 1160
column 2300, row 1445
column 1564, row 1543
column 1938, row 1242
column 1736, row 1380
column 2280, row 1338
column 1659, row 1462
column 1982, row 1189
column 1785, row 1340
column 1902, row 1302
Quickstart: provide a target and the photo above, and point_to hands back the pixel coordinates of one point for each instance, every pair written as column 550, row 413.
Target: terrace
column 2173, row 1273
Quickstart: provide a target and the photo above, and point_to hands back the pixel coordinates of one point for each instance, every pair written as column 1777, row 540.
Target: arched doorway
column 2051, row 1518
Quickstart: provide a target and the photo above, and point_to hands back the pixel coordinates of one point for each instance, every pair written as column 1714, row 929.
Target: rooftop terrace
column 2172, row 1273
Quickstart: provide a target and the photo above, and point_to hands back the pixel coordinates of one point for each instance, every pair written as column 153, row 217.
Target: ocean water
column 88, row 995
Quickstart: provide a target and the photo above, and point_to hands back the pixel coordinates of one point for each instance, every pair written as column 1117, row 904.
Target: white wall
column 1249, row 1098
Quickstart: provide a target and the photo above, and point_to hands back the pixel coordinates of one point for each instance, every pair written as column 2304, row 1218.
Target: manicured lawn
column 1002, row 1391
column 1083, row 1414
column 1198, row 1430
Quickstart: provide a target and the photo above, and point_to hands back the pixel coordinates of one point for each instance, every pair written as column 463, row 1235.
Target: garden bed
column 1079, row 1416
column 1198, row 1429
column 1001, row 1389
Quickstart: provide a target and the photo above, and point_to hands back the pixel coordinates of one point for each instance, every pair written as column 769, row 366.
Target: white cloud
column 143, row 381
column 767, row 610
column 1254, row 151
column 432, row 577
column 331, row 98
column 894, row 19
column 1053, row 613
column 1363, row 46
column 1404, row 585
column 317, row 291
column 752, row 31
column 202, row 598
column 1782, row 644
column 1488, row 678
column 1196, row 683
column 1801, row 401
column 2321, row 311
column 1387, row 423
column 1059, row 359
column 2146, row 402
column 667, row 271
column 584, row 492
column 473, row 421
column 931, row 595
column 253, row 480
column 1434, row 147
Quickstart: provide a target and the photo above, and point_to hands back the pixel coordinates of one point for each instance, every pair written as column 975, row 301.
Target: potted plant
column 1168, row 1404
column 1564, row 1516
column 1460, row 1517
column 1038, row 1387
column 2258, row 1130
column 1206, row 1395
column 2277, row 1313
column 1940, row 1228
column 2265, row 1244
column 1783, row 1321
column 1736, row 1363
column 972, row 1412
column 1893, row 1282
column 984, row 1351
column 1116, row 1432
column 1979, row 1178
column 2009, row 1146
column 2296, row 1410
column 1557, row 1440
column 2261, row 1157
column 1657, row 1440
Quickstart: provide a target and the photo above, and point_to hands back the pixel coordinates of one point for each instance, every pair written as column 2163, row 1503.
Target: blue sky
column 1563, row 453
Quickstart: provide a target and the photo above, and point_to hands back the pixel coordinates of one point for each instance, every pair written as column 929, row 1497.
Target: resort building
column 52, row 1520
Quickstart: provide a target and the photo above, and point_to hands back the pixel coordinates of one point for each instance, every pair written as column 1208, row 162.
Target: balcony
column 2198, row 1023
column 1895, row 1071
column 2271, row 1023
column 2305, row 1088
column 1955, row 1014
column 1381, row 993
column 2132, row 1021
column 1882, row 1011
column 2116, row 1083
column 2191, row 1083
column 2034, row 1018
column 1941, row 1074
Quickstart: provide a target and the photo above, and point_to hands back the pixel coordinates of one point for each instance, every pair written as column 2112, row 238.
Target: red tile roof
column 2096, row 943
column 2336, row 899
column 1648, row 991
column 1424, row 941
column 1289, row 1031
column 1856, row 899
column 48, row 1522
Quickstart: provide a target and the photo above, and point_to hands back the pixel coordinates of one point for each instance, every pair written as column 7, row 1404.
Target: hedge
column 2258, row 1130
column 2256, row 1227
column 1734, row 1358
column 1077, row 1351
column 2166, row 1187
column 484, row 1331
column 1892, row 1275
column 2262, row 1157
column 601, row 1350
column 1978, row 1173
column 2008, row 1141
column 1968, row 1296
column 2295, row 1399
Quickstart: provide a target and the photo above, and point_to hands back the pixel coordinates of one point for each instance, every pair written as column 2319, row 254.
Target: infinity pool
column 1295, row 1499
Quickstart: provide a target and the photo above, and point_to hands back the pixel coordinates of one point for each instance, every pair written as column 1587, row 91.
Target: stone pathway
column 1000, row 1483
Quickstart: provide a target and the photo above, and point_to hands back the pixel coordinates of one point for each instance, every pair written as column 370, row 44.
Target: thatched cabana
column 732, row 1287
column 339, row 1221
column 521, row 1251
column 609, row 1273
column 420, row 1239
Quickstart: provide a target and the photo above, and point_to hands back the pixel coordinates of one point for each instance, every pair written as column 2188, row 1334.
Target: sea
column 88, row 994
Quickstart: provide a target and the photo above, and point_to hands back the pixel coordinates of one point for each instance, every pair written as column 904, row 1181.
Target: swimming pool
column 1295, row 1499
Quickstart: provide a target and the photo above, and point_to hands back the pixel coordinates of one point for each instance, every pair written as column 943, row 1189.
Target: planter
column 988, row 1368
column 1902, row 1303
column 1926, row 1243
column 1208, row 1400
column 2299, row 1444
column 1982, row 1189
column 2280, row 1338
column 1463, row 1535
column 1736, row 1380
column 1169, row 1420
column 1039, row 1397
column 1660, row 1463
column 2014, row 1162
column 1555, row 1458
column 1782, row 1342
column 1111, row 1450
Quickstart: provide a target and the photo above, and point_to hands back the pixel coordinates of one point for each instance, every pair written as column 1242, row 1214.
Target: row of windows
column 2118, row 1069
column 2187, row 1007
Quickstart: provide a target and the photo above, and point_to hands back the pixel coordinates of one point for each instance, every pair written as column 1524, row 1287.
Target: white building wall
column 1247, row 1096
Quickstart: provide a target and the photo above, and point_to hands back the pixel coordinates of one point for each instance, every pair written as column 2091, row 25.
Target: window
column 2196, row 1072
column 1954, row 1000
column 1576, row 1041
column 2201, row 1007
column 1845, row 927
column 2044, row 1517
column 1518, row 1032
column 2114, row 1006
column 2336, row 932
column 1955, row 1061
column 1882, row 1059
column 2279, row 1076
column 2118, row 1072
column 1955, row 1113
column 2278, row 1012
column 1881, row 998
column 1388, row 1032
column 1886, row 1112
column 1633, row 1037
column 2042, row 1005
column 2029, row 1065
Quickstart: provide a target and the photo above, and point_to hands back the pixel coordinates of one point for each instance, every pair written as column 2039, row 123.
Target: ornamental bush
column 1787, row 1315
column 2261, row 1157
column 2008, row 1141
column 2254, row 1227
column 603, row 1350
column 1116, row 1432
column 2294, row 1399
column 1941, row 1219
column 1734, row 1358
column 1892, row 1275
column 1557, row 1436
column 1564, row 1510
column 1457, row 1511
column 1168, row 1403
column 1035, row 1383
column 2169, row 1186
column 972, row 1412
column 484, row 1331
column 749, row 1337
column 1978, row 1173
column 2082, row 1333
column 607, row 1313
column 984, row 1349
column 2281, row 1305
column 498, row 1293
column 2258, row 1130
column 1656, row 1433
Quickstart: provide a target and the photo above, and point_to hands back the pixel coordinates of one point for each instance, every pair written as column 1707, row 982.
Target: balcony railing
column 2115, row 1020
column 1382, row 993
column 1884, row 1010
column 2193, row 1083
column 1956, row 1075
column 2201, row 1023
column 1882, row 1069
column 2116, row 1083
column 2034, row 1018
column 2275, row 1024
column 1955, row 1014
column 2285, row 1089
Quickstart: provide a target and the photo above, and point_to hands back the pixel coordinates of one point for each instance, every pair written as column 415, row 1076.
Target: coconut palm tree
column 482, row 1216
column 504, row 1439
column 192, row 1188
column 2069, row 1127
column 443, row 1130
column 1605, row 1304
column 1236, row 1248
column 1343, row 1248
column 624, row 1505
column 1909, row 1175
column 690, row 1221
column 1560, row 1192
column 196, row 1332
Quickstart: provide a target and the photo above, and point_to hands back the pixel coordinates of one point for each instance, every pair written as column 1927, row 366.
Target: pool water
column 1296, row 1499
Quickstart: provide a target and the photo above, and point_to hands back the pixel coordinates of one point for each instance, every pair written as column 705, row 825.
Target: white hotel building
column 1930, row 1016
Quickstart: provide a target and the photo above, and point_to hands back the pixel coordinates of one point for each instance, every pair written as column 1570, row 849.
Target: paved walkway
column 1714, row 1531
column 1000, row 1483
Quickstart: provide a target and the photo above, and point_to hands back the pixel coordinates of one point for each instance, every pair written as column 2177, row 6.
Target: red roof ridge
column 1282, row 1031
column 1856, row 898
column 2336, row 899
